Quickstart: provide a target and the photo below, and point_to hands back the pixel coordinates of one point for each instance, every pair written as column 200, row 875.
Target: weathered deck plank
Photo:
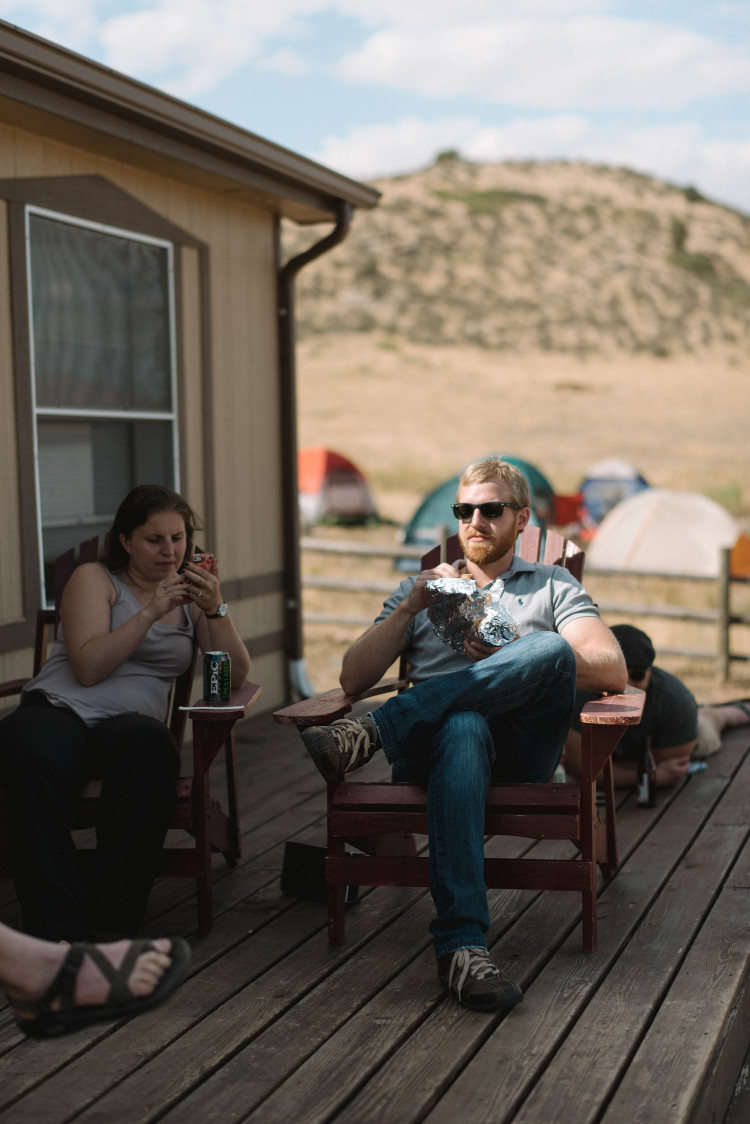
column 558, row 985
column 273, row 1024
column 621, row 1012
column 704, row 1014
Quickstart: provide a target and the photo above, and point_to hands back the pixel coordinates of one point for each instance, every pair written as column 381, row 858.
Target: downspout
column 299, row 682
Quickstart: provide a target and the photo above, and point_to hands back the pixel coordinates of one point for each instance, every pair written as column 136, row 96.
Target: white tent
column 665, row 532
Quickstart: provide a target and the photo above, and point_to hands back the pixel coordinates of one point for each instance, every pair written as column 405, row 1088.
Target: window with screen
column 101, row 310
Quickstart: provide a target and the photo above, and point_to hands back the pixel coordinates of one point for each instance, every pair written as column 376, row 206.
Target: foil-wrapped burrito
column 458, row 610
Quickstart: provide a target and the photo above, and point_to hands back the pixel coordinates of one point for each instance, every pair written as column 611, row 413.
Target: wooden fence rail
column 722, row 617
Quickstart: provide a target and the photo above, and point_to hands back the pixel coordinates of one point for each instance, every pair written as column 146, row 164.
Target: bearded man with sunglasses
column 473, row 717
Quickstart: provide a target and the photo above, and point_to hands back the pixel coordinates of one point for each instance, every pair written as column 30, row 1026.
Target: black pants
column 46, row 755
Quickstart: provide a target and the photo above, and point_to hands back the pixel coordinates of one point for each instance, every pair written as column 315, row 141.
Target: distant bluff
column 564, row 257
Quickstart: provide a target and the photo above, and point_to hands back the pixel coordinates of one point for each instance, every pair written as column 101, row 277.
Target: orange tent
column 332, row 489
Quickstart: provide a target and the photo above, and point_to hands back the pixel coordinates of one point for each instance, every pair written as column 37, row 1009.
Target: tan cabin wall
column 230, row 398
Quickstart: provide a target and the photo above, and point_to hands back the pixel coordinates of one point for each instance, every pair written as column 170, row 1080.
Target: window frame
column 171, row 416
column 92, row 197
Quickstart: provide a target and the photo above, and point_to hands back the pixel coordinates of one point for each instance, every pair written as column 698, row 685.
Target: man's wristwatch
column 220, row 612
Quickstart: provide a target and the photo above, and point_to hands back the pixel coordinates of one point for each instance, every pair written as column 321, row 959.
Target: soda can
column 217, row 677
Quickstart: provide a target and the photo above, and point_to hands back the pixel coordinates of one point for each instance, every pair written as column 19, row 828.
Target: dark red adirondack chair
column 359, row 809
column 213, row 828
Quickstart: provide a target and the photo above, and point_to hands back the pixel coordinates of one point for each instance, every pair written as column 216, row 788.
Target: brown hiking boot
column 475, row 981
column 345, row 745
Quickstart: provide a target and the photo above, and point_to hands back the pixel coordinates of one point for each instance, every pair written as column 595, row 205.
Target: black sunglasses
column 491, row 510
column 637, row 673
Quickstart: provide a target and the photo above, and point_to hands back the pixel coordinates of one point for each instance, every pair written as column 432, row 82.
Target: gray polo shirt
column 540, row 598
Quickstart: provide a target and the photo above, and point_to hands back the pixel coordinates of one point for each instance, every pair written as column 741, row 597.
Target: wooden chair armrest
column 603, row 723
column 241, row 700
column 323, row 709
column 12, row 687
column 615, row 710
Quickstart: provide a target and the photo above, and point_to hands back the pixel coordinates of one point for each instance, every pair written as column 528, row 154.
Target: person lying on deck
column 98, row 710
column 674, row 727
column 474, row 716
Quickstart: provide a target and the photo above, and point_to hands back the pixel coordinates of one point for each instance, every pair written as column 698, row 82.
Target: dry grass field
column 411, row 415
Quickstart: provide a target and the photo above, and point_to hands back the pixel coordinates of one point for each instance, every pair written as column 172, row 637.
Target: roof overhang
column 56, row 93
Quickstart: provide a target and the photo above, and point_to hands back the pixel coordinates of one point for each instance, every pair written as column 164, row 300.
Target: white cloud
column 541, row 54
column 724, row 171
column 597, row 61
column 734, row 11
column 368, row 151
column 680, row 153
column 558, row 63
column 199, row 43
column 424, row 14
column 74, row 23
column 289, row 63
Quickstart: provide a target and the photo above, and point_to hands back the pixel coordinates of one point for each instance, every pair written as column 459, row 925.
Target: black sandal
column 120, row 1002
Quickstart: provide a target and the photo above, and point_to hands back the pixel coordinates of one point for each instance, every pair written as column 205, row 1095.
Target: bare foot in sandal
column 55, row 988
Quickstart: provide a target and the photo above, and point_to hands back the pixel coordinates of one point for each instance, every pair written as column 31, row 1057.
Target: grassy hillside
column 563, row 258
column 559, row 312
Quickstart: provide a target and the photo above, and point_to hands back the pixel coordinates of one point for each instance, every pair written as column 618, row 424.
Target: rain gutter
column 298, row 680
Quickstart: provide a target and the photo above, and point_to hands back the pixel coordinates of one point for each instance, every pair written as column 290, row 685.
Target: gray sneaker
column 345, row 745
column 476, row 982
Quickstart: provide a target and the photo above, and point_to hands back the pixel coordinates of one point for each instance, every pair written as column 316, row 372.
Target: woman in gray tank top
column 98, row 710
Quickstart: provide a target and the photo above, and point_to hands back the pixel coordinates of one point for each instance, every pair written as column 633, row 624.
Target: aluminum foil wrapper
column 458, row 610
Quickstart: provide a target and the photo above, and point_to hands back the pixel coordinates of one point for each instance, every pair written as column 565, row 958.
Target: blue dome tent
column 608, row 483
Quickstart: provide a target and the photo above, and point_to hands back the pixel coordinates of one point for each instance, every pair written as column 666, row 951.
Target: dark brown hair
column 138, row 507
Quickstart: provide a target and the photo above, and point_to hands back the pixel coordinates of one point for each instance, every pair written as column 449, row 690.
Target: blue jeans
column 501, row 719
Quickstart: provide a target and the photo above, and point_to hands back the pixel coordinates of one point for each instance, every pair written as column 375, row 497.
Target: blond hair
column 492, row 469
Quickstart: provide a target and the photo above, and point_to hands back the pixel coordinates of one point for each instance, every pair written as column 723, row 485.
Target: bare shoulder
column 90, row 579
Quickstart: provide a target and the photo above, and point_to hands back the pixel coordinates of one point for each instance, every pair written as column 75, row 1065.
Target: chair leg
column 589, row 920
column 205, row 904
column 589, row 856
column 609, row 868
column 335, row 848
column 201, row 812
column 235, row 850
column 336, row 914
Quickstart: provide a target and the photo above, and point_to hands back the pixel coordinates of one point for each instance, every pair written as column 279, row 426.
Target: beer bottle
column 646, row 778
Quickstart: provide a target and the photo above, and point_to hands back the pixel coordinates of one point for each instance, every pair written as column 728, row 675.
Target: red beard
column 490, row 549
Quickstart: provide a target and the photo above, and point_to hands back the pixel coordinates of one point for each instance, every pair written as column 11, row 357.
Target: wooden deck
column 272, row 1025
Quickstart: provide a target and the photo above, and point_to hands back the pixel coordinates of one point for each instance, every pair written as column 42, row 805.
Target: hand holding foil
column 458, row 611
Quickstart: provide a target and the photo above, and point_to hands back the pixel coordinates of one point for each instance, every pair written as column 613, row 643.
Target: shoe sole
column 327, row 763
column 500, row 1004
column 490, row 1008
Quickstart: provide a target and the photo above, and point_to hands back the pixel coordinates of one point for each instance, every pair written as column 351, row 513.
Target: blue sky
column 375, row 89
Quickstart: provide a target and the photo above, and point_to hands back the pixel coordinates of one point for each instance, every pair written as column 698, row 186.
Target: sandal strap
column 64, row 984
column 119, row 989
